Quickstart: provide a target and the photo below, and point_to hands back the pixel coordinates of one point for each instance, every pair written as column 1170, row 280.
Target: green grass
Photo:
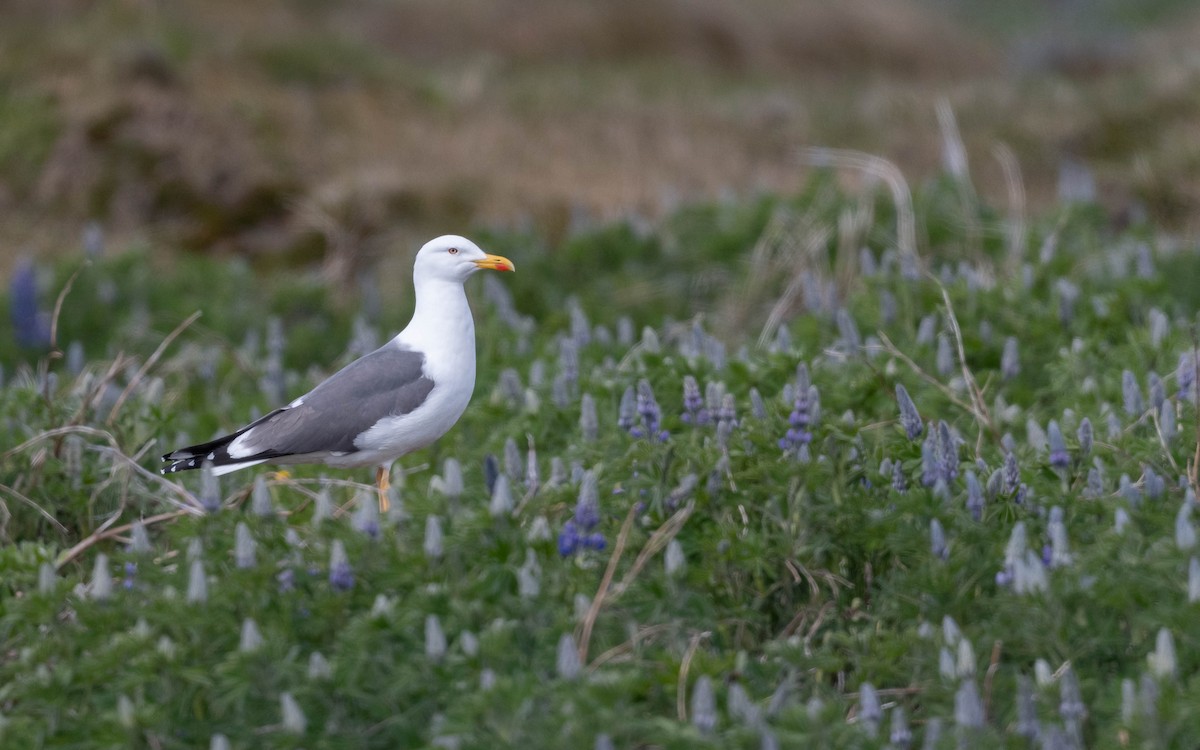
column 804, row 580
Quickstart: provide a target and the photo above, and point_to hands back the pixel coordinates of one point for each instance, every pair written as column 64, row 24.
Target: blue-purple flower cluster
column 640, row 414
column 1059, row 457
column 939, row 456
column 693, row 403
column 800, row 421
column 910, row 419
column 579, row 532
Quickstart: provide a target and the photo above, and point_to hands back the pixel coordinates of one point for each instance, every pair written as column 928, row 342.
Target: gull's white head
column 454, row 258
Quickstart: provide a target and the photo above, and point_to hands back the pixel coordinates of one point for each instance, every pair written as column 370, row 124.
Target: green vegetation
column 791, row 569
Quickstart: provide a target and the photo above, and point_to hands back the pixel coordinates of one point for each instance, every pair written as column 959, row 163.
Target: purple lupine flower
column 286, row 579
column 1071, row 707
column 649, row 412
column 30, row 323
column 800, row 420
column 992, row 487
column 341, row 575
column 1012, row 474
column 1010, row 363
column 130, row 575
column 929, row 463
column 714, row 391
column 693, row 402
column 887, row 307
column 1068, row 295
column 797, row 434
column 568, row 360
column 724, row 430
column 1166, row 421
column 899, row 481
column 1129, row 491
column 581, row 329
column 533, row 477
column 1143, row 261
column 588, row 424
column 560, row 391
column 579, row 532
column 1060, row 553
column 937, row 540
column 1059, row 457
column 682, row 491
column 985, row 332
column 925, row 330
column 1112, row 425
column 910, row 419
column 491, row 472
column 93, row 240
column 1131, row 394
column 625, row 331
column 1158, row 392
column 1085, row 437
column 627, row 411
column 944, row 360
column 757, row 407
column 1027, row 720
column 848, row 330
column 974, row 496
column 514, row 467
column 210, row 488
column 587, row 509
column 727, row 413
column 568, row 539
column 1185, row 375
column 717, row 475
column 870, row 712
column 947, row 454
column 1152, row 484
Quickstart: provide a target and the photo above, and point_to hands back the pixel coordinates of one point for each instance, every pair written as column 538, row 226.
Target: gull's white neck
column 441, row 324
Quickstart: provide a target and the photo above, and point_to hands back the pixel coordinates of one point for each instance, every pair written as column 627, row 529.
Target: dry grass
column 286, row 128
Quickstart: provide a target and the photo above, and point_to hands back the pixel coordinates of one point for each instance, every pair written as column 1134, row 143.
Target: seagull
column 399, row 398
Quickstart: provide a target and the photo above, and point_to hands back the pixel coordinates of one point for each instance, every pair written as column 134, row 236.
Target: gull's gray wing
column 388, row 382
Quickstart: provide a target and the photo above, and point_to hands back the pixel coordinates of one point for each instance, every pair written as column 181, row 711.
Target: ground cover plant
column 824, row 470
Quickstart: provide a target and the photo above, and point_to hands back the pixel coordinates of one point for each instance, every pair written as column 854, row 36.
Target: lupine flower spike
column 578, row 532
column 693, row 403
column 910, row 419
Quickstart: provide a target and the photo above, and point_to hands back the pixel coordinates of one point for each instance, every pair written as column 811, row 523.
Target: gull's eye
column 453, row 251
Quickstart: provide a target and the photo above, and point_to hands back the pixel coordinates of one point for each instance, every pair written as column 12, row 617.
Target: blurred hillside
column 297, row 131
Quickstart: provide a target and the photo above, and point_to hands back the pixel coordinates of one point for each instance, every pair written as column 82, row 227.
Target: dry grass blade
column 1194, row 473
column 189, row 501
column 141, row 373
column 1016, row 205
column 1162, row 441
column 906, row 222
column 657, row 541
column 685, row 666
column 73, row 553
column 58, row 304
column 893, row 350
column 589, row 620
column 980, row 409
column 643, row 635
column 993, row 668
column 42, row 511
column 816, row 241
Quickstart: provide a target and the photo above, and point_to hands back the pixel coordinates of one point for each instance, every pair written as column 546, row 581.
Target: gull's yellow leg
column 383, row 482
